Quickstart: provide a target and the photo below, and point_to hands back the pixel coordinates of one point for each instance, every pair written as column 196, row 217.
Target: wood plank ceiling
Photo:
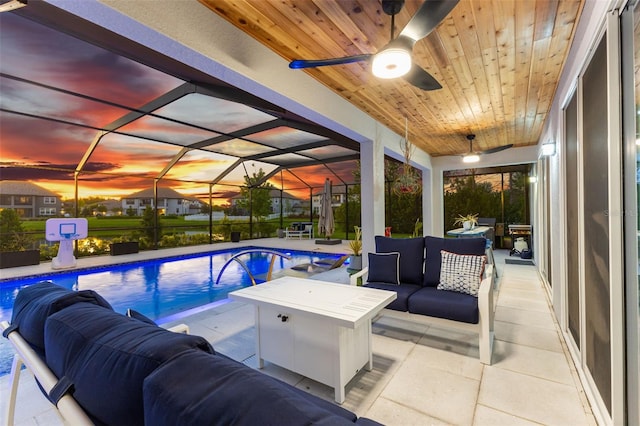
column 499, row 62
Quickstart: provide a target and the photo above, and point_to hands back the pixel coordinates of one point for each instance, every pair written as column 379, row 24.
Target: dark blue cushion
column 444, row 304
column 107, row 356
column 200, row 389
column 336, row 409
column 433, row 245
column 411, row 256
column 383, row 268
column 35, row 303
column 403, row 291
column 367, row 422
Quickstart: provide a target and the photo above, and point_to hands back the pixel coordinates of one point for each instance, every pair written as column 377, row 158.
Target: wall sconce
column 533, row 179
column 548, row 149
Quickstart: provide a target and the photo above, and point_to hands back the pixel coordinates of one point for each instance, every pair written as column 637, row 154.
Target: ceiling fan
column 394, row 60
column 474, row 156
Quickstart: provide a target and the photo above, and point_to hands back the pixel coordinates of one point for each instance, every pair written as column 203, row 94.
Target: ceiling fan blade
column 421, row 79
column 496, row 149
column 430, row 14
column 314, row 63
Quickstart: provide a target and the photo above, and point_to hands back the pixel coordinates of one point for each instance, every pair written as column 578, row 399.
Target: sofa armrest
column 179, row 328
column 353, row 280
column 486, row 285
column 486, row 314
column 68, row 407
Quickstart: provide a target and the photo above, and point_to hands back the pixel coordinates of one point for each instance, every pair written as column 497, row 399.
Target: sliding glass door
column 630, row 44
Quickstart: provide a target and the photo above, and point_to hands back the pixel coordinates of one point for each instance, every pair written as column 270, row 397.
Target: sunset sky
column 47, row 150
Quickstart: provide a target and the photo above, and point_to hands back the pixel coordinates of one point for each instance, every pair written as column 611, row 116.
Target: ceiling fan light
column 471, row 158
column 391, row 63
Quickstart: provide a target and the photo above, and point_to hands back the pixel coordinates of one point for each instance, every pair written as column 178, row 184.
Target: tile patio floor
column 422, row 375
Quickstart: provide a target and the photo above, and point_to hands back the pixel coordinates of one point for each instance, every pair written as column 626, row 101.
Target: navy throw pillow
column 35, row 303
column 384, row 268
column 106, row 356
column 411, row 256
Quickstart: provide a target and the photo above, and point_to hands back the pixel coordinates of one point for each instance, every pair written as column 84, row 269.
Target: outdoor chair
column 299, row 230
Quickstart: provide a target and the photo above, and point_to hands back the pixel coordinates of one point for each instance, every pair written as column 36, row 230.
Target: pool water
column 160, row 288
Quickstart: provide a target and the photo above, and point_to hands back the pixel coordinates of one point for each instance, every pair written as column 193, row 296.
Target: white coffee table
column 319, row 329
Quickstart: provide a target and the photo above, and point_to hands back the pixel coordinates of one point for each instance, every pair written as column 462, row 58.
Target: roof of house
column 274, row 193
column 14, row 187
column 163, row 192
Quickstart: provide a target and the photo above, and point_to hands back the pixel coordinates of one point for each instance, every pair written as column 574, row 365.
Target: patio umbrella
column 326, row 223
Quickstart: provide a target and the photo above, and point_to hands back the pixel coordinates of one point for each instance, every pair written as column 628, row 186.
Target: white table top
column 347, row 305
column 478, row 231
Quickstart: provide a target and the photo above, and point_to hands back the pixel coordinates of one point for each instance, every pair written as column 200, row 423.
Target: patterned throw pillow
column 461, row 272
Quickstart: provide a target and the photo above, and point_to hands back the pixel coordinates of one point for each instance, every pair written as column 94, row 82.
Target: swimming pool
column 160, row 288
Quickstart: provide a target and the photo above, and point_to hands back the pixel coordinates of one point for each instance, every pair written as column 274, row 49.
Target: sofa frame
column 67, row 407
column 484, row 328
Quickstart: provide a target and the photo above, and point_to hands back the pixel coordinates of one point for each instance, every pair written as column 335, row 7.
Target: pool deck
column 97, row 261
column 421, row 375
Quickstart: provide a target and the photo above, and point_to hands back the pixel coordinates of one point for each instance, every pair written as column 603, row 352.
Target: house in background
column 338, row 198
column 291, row 205
column 29, row 199
column 170, row 202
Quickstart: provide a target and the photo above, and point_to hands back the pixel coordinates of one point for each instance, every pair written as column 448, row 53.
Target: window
column 23, row 199
column 49, row 200
column 47, row 211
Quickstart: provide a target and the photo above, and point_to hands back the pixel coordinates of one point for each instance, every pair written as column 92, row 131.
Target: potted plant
column 15, row 245
column 355, row 260
column 468, row 221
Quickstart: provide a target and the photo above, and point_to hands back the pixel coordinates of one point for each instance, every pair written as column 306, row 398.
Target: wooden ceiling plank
column 545, row 19
column 480, row 87
column 485, row 27
column 337, row 17
column 450, row 38
column 505, row 40
column 369, row 18
column 466, row 30
column 325, row 40
column 495, row 85
column 524, row 25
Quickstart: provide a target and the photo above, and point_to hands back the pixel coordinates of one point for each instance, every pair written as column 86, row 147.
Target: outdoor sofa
column 412, row 268
column 101, row 367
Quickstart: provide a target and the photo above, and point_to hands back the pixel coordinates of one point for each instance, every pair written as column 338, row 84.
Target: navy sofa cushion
column 383, row 268
column 35, row 303
column 444, row 304
column 411, row 256
column 195, row 388
column 107, row 356
column 403, row 291
column 433, row 245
